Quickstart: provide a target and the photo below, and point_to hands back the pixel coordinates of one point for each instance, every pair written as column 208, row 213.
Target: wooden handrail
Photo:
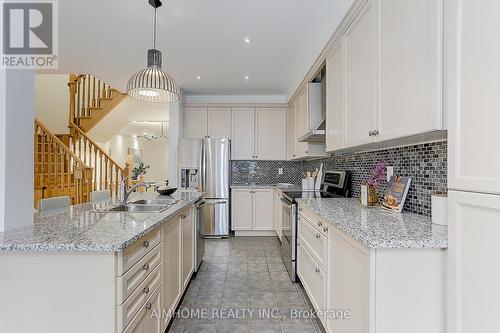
column 107, row 173
column 58, row 170
column 58, row 142
column 82, row 133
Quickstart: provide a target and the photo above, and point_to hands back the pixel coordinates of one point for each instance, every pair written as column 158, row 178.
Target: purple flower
column 378, row 174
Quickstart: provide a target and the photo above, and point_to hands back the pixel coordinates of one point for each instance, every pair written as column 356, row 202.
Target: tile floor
column 243, row 286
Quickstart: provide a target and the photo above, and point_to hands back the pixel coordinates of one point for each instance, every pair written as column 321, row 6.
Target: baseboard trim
column 255, row 233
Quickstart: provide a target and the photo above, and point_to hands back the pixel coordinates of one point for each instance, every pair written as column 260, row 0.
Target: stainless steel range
column 335, row 184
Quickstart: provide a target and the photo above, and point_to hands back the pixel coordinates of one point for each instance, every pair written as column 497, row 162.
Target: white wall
column 16, row 148
column 155, row 153
column 52, row 101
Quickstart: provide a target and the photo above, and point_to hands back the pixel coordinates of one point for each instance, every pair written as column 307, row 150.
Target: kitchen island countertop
column 87, row 227
column 376, row 227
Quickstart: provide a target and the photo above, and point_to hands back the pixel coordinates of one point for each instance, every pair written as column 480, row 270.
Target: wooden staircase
column 91, row 100
column 73, row 164
column 58, row 171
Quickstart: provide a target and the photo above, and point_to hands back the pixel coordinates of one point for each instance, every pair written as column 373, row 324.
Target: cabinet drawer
column 132, row 278
column 312, row 277
column 132, row 254
column 314, row 220
column 134, row 303
column 143, row 320
column 314, row 241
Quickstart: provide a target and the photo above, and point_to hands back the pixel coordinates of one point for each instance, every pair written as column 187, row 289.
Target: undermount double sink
column 145, row 206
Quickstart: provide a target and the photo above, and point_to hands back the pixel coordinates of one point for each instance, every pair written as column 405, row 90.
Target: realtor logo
column 29, row 37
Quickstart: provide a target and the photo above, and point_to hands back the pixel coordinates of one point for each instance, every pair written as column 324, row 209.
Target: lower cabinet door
column 312, row 277
column 241, row 209
column 171, row 265
column 148, row 319
column 187, row 246
column 473, row 270
column 263, row 208
column 349, row 285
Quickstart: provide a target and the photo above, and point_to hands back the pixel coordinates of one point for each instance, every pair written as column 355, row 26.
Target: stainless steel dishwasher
column 200, row 232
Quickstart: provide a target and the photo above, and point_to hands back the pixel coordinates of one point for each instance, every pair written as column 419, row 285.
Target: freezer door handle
column 216, row 201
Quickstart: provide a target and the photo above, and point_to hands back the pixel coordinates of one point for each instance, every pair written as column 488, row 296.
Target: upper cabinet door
column 270, row 138
column 410, row 67
column 195, row 123
column 243, row 134
column 291, row 132
column 301, row 122
column 335, row 88
column 473, row 95
column 360, row 103
column 219, row 123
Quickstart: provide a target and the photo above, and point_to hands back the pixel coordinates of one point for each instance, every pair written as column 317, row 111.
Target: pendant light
column 152, row 84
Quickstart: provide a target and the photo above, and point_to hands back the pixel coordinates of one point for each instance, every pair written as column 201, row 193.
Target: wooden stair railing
column 90, row 100
column 106, row 172
column 58, row 171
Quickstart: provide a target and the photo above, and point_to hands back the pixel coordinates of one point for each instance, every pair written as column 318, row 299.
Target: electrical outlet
column 390, row 172
column 280, row 171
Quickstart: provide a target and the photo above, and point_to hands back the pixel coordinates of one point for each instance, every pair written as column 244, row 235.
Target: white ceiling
column 200, row 37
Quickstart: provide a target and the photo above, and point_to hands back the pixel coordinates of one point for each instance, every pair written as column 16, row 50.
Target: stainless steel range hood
column 316, row 135
column 316, row 106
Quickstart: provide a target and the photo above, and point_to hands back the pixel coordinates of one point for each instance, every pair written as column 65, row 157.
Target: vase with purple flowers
column 377, row 177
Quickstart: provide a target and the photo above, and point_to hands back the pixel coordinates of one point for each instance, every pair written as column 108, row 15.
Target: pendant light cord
column 154, row 29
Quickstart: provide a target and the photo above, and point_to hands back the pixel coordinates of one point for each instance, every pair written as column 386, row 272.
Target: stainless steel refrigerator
column 204, row 166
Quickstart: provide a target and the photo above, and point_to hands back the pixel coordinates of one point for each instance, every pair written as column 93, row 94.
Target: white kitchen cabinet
column 144, row 321
column 270, row 134
column 335, row 88
column 474, row 295
column 241, row 209
column 360, row 70
column 313, row 278
column 472, row 96
column 252, row 212
column 410, row 49
column 195, row 122
column 292, row 138
column 340, row 273
column 243, row 144
column 350, row 273
column 219, row 122
column 172, row 265
column 301, row 124
column 263, row 208
column 187, row 225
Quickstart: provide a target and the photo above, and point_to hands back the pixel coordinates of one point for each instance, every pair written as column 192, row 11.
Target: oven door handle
column 286, row 202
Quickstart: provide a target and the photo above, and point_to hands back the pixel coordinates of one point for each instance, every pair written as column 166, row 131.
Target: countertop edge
column 101, row 248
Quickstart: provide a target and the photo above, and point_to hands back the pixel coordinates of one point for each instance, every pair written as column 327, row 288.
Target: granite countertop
column 85, row 228
column 283, row 186
column 376, row 227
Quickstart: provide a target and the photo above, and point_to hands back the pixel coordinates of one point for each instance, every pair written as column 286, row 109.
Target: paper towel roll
column 439, row 208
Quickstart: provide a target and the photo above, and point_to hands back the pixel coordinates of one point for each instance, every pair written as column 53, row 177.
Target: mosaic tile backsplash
column 265, row 172
column 425, row 163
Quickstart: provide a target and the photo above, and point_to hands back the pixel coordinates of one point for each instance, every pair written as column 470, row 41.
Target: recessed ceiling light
column 247, row 40
column 246, row 77
column 198, row 77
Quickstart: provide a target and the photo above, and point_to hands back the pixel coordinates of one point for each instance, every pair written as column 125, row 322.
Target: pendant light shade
column 152, row 84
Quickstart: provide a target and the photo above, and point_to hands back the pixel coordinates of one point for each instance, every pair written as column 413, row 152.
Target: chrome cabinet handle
column 317, row 270
column 318, row 236
column 145, row 244
column 145, row 290
column 145, row 267
column 148, row 306
column 320, row 224
column 325, row 229
column 300, row 209
column 370, row 133
column 375, row 132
